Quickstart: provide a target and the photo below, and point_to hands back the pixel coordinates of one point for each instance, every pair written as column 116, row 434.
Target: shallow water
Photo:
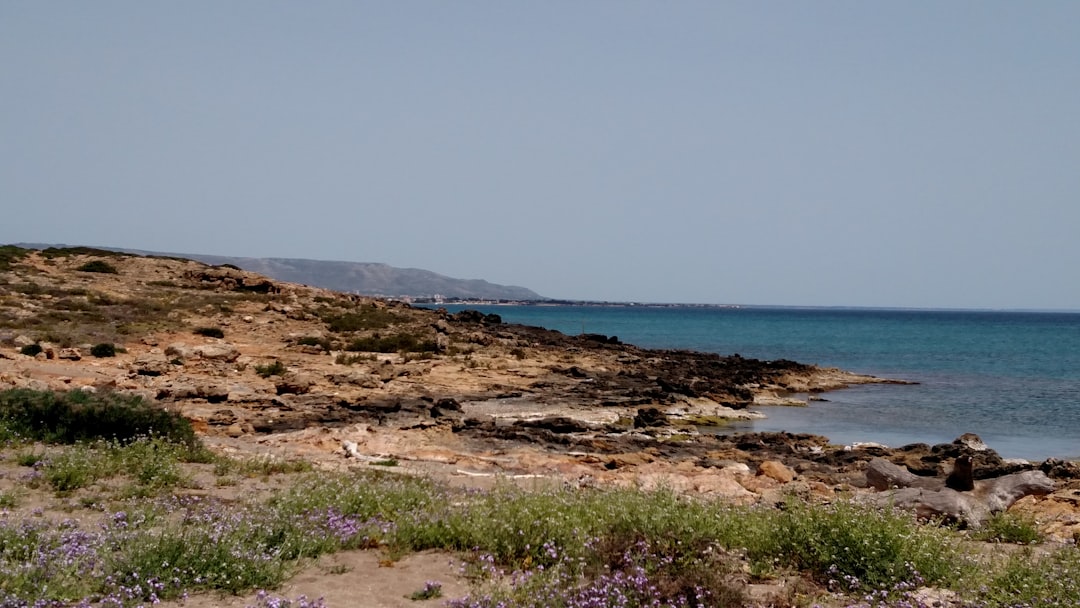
column 1011, row 377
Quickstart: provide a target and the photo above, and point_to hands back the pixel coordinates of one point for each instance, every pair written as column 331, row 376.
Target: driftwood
column 930, row 499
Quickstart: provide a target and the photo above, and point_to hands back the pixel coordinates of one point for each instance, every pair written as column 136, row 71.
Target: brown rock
column 294, row 384
column 629, row 460
column 178, row 349
column 776, row 470
column 217, row 352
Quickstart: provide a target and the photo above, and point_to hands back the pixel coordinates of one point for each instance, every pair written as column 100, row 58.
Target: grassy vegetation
column 82, row 416
column 98, row 266
column 209, row 332
column 149, row 539
column 344, row 359
column 365, row 317
column 395, row 343
column 77, row 315
column 277, row 368
column 10, row 254
column 50, row 253
column 105, row 349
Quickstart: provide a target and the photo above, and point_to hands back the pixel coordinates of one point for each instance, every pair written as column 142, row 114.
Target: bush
column 277, row 368
column 81, row 416
column 10, row 254
column 31, row 349
column 367, row 318
column 98, row 266
column 1010, row 528
column 406, row 343
column 210, row 332
column 323, row 343
column 103, row 350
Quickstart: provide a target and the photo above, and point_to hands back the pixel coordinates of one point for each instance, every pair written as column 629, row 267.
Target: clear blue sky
column 804, row 153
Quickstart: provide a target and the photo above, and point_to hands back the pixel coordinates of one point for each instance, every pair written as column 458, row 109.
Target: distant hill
column 356, row 277
column 373, row 279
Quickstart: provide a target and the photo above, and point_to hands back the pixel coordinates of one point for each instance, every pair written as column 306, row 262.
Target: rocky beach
column 466, row 395
column 285, row 371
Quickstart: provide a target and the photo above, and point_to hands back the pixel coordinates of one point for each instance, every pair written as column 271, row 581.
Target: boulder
column 294, row 384
column 151, row 365
column 776, row 470
column 930, row 499
column 179, row 349
column 217, row 352
column 69, row 354
column 355, row 378
column 648, row 417
column 222, row 417
column 21, row 341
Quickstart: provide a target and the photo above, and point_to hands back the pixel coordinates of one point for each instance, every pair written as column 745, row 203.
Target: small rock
column 649, row 416
column 350, row 449
column 234, row 430
column 247, row 318
column 222, row 417
column 972, row 442
column 21, row 341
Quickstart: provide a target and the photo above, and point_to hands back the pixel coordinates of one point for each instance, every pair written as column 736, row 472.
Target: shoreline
column 293, row 371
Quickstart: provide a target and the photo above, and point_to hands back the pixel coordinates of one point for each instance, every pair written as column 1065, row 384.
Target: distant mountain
column 356, row 277
column 373, row 279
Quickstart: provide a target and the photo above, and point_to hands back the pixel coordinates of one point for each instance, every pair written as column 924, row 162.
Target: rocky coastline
column 265, row 367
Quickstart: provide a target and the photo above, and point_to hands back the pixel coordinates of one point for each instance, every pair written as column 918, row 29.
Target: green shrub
column 65, row 252
column 210, row 332
column 79, row 416
column 104, row 349
column 31, row 349
column 323, row 343
column 395, row 343
column 277, row 368
column 848, row 541
column 1010, row 528
column 369, row 317
column 98, row 266
column 343, row 359
column 10, row 254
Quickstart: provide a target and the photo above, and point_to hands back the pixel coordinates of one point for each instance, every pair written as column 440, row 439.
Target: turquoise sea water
column 1011, row 377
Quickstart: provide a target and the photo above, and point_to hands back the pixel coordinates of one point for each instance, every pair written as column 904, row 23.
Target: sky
column 907, row 154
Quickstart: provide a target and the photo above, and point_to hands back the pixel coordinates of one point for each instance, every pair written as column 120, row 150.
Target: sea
column 1013, row 378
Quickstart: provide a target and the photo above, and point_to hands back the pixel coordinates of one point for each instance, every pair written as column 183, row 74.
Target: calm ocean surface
column 1011, row 377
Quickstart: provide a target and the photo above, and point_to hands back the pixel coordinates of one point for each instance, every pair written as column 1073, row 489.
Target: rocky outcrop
column 969, row 504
